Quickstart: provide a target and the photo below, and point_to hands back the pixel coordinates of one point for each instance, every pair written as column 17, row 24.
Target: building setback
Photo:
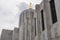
column 6, row 34
column 41, row 22
column 15, row 34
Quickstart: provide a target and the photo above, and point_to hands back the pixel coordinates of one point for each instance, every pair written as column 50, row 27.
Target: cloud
column 22, row 6
column 9, row 12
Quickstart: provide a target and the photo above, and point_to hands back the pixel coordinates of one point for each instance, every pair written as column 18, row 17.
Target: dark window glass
column 42, row 17
column 53, row 11
column 35, row 25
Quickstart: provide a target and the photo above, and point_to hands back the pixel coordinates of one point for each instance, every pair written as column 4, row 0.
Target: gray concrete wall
column 6, row 34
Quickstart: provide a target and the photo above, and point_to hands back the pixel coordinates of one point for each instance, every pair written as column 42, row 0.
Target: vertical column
column 23, row 26
column 31, row 26
column 28, row 30
column 48, row 18
column 39, row 25
column 26, row 26
column 21, row 29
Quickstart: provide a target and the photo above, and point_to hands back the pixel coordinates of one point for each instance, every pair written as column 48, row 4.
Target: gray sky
column 10, row 10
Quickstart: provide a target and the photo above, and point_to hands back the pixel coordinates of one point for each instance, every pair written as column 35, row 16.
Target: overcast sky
column 10, row 11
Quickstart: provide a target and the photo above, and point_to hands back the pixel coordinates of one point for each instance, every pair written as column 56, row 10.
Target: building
column 43, row 23
column 15, row 34
column 52, row 11
column 48, row 16
column 32, row 25
column 6, row 34
column 26, row 26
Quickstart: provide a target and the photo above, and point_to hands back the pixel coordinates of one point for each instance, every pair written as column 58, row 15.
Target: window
column 42, row 17
column 35, row 25
column 53, row 11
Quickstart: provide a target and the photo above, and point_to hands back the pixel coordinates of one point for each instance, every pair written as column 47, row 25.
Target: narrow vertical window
column 53, row 11
column 35, row 25
column 42, row 17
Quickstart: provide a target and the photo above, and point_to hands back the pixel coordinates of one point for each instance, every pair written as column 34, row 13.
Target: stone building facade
column 32, row 25
column 43, row 24
column 49, row 11
column 15, row 35
column 52, row 11
column 6, row 34
column 26, row 27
